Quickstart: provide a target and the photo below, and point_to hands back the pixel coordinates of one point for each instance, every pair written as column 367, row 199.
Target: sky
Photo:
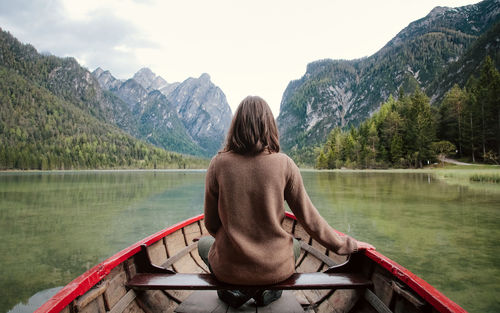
column 247, row 47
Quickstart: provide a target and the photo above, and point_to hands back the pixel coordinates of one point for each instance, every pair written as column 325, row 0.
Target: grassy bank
column 477, row 176
column 484, row 177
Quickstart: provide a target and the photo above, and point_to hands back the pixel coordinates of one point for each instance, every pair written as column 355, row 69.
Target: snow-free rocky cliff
column 195, row 110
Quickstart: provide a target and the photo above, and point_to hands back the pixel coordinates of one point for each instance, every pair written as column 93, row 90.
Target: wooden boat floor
column 205, row 301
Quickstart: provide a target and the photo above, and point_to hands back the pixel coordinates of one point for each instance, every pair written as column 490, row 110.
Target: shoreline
column 471, row 167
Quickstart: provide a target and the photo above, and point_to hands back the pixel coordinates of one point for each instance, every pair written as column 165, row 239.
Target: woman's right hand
column 365, row 246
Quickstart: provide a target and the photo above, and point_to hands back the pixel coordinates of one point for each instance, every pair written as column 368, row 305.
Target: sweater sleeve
column 309, row 217
column 211, row 205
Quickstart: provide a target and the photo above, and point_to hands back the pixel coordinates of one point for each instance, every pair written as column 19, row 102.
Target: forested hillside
column 341, row 93
column 408, row 132
column 54, row 116
column 468, row 64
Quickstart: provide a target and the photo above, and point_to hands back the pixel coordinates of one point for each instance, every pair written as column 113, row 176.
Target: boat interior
column 325, row 282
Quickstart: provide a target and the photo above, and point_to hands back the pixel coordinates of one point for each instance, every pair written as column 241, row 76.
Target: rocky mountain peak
column 97, row 72
column 203, row 108
column 196, row 106
column 145, row 77
column 149, row 80
column 438, row 11
column 204, row 77
column 105, row 79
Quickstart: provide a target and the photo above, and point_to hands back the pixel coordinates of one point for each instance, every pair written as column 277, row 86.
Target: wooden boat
column 382, row 285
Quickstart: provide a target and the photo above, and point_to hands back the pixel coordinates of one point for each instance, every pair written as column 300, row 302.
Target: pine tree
column 452, row 119
column 488, row 96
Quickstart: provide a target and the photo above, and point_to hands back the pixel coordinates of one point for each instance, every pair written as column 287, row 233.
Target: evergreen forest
column 410, row 133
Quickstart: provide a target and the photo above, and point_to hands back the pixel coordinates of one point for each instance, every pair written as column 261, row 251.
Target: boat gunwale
column 90, row 278
column 429, row 293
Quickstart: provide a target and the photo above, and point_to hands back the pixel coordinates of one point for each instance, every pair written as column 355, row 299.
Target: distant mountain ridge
column 54, row 115
column 199, row 105
column 345, row 92
column 146, row 115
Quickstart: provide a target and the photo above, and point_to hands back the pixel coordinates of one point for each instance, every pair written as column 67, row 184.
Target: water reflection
column 54, row 226
column 35, row 301
column 443, row 233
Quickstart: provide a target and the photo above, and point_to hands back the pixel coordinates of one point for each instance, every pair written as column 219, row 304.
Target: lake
column 56, row 225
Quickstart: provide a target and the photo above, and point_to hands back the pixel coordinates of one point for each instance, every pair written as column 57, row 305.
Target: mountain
column 345, row 92
column 149, row 80
column 488, row 44
column 148, row 114
column 54, row 115
column 199, row 105
column 203, row 109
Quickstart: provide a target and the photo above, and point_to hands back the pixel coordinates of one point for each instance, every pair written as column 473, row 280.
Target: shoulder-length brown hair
column 253, row 128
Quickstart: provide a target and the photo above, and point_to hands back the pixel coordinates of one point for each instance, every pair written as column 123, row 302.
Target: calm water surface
column 55, row 226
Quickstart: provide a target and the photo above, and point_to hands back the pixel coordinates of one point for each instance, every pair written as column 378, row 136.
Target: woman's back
column 246, row 186
column 250, row 206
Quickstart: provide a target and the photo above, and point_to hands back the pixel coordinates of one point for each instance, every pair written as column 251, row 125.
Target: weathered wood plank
column 191, row 232
column 208, row 282
column 344, row 300
column 186, row 264
column 201, row 302
column 326, row 306
column 179, row 295
column 124, row 302
column 408, row 295
column 157, row 252
column 115, row 290
column 175, row 242
column 89, row 296
column 301, row 298
column 382, row 287
column 95, row 306
column 130, row 269
column 133, row 307
column 309, row 264
column 314, row 297
column 337, row 258
column 179, row 255
column 317, row 253
column 375, row 302
column 154, row 301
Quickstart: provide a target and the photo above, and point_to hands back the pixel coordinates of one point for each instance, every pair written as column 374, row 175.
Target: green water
column 54, row 226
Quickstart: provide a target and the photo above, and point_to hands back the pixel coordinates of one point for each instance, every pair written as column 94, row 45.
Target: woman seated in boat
column 246, row 186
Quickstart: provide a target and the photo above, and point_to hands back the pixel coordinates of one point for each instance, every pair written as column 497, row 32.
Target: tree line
column 409, row 132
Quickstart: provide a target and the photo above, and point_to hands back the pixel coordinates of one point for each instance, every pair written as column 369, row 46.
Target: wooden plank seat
column 181, row 281
column 152, row 277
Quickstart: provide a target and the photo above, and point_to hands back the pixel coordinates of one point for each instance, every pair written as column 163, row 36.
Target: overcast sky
column 248, row 47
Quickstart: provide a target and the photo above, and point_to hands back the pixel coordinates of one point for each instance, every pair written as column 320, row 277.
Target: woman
column 246, row 185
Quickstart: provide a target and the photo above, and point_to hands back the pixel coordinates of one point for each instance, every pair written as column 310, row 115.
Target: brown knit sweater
column 244, row 210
